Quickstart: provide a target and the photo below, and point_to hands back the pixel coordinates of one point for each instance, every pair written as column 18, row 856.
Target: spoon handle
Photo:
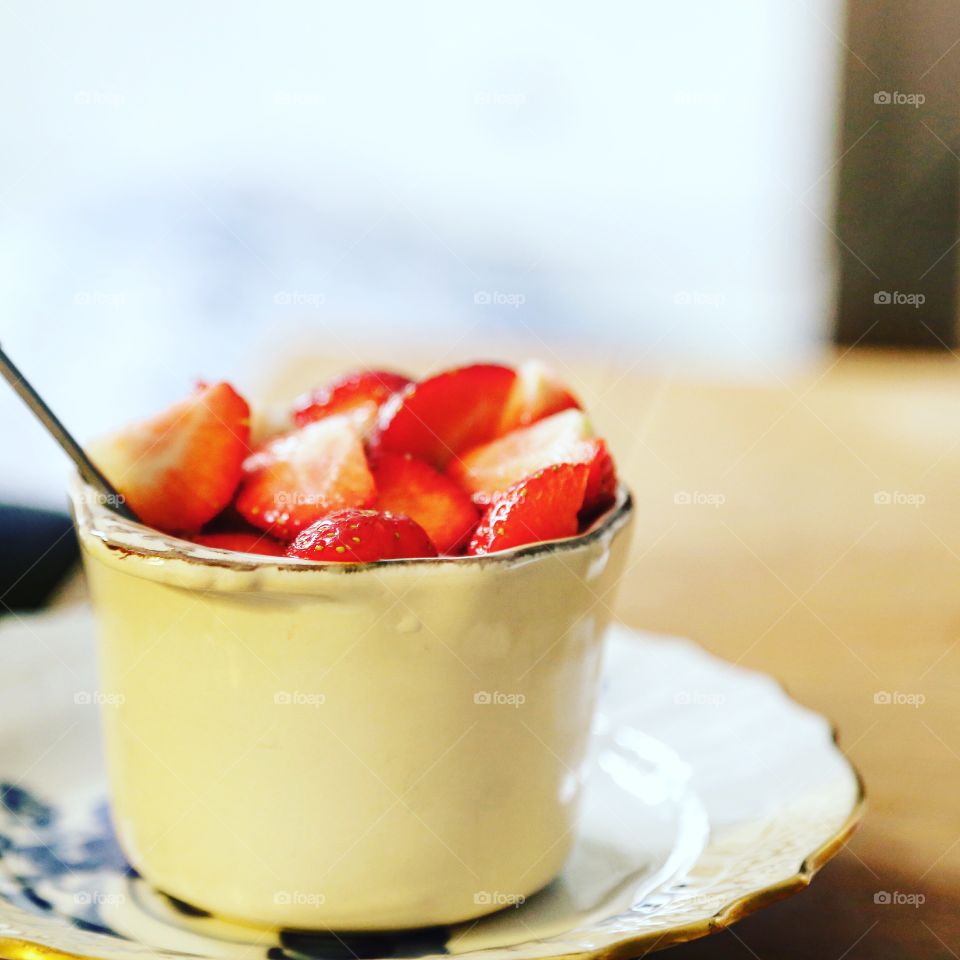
column 88, row 469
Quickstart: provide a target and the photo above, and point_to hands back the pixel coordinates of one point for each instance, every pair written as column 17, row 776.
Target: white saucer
column 711, row 794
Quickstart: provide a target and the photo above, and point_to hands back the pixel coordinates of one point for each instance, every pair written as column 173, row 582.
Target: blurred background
column 201, row 191
column 731, row 227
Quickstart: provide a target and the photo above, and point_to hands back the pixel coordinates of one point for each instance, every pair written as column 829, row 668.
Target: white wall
column 653, row 179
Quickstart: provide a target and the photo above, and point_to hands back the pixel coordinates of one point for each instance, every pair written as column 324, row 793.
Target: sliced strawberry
column 179, row 469
column 241, row 542
column 361, row 536
column 363, row 389
column 601, row 481
column 298, row 478
column 411, row 487
column 537, row 393
column 497, row 465
column 541, row 507
column 437, row 418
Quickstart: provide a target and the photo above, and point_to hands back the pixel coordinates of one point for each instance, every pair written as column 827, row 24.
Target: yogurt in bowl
column 347, row 746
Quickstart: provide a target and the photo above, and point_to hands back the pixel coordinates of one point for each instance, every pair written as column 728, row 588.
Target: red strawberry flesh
column 296, row 479
column 361, row 536
column 601, row 492
column 409, row 486
column 363, row 388
column 536, row 393
column 241, row 543
column 541, row 507
column 180, row 469
column 495, row 466
column 438, row 418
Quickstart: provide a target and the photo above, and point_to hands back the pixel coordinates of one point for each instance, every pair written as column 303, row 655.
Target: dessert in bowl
column 354, row 668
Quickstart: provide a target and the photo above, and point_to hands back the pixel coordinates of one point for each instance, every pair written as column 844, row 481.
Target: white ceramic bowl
column 313, row 745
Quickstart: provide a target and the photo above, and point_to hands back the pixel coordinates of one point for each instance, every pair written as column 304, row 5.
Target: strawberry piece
column 437, row 418
column 601, row 492
column 364, row 390
column 298, row 478
column 536, row 393
column 411, row 487
column 541, row 507
column 180, row 469
column 241, row 543
column 362, row 536
column 495, row 466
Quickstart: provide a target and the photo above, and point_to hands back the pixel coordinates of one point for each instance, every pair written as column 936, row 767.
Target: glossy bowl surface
column 322, row 745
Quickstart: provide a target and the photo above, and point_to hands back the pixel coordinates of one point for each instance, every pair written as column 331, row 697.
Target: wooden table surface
column 822, row 545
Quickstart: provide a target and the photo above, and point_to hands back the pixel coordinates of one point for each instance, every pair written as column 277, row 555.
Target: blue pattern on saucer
column 69, row 865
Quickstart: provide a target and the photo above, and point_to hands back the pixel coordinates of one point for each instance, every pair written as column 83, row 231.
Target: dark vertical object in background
column 37, row 549
column 898, row 204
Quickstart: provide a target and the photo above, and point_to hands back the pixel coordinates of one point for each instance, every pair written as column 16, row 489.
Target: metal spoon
column 88, row 469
